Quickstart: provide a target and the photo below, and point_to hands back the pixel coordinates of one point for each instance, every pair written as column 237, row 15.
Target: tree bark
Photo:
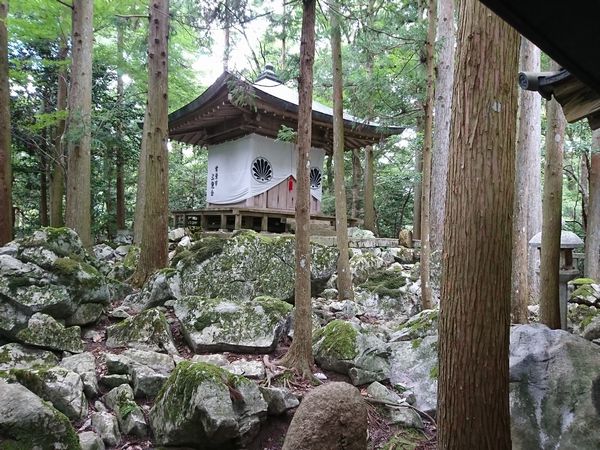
column 369, row 223
column 356, row 172
column 426, row 300
column 329, row 174
column 552, row 214
column 475, row 305
column 441, row 135
column 57, row 172
column 140, row 198
column 418, row 192
column 344, row 277
column 226, row 37
column 120, row 162
column 6, row 213
column 154, row 242
column 79, row 122
column 592, row 238
column 527, row 185
column 300, row 356
column 44, row 222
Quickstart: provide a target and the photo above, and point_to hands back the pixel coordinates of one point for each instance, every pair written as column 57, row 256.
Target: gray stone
column 88, row 440
column 27, row 422
column 107, row 427
column 250, row 369
column 177, row 234
column 129, row 415
column 249, row 265
column 240, row 326
column 592, row 330
column 85, row 365
column 196, row 406
column 419, row 326
column 148, row 370
column 162, row 286
column 59, row 386
column 86, row 314
column 17, row 356
column 555, row 380
column 331, row 416
column 397, row 415
column 279, row 400
column 44, row 331
column 112, row 381
column 148, row 330
column 344, row 348
column 414, row 364
column 216, row 359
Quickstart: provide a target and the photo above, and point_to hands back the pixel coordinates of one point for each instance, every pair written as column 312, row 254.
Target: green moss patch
column 337, row 340
column 385, row 283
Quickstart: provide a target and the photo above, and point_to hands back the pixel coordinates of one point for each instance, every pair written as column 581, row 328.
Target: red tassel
column 291, row 184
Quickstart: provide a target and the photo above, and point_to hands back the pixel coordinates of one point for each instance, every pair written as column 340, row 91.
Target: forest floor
column 272, row 433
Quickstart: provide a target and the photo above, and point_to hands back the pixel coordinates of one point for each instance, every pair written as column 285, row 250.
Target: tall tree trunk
column 329, row 174
column 356, row 172
column 57, row 173
column 109, row 174
column 584, row 185
column 120, row 162
column 226, row 37
column 527, row 182
column 552, row 214
column 426, row 300
column 592, row 237
column 441, row 135
column 417, row 190
column 43, row 191
column 283, row 38
column 344, row 278
column 369, row 191
column 6, row 213
column 475, row 305
column 154, row 243
column 79, row 123
column 140, row 198
column 300, row 354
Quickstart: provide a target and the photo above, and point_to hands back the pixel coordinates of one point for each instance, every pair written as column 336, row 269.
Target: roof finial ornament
column 268, row 73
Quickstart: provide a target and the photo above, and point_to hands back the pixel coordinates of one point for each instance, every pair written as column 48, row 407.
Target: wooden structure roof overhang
column 231, row 108
column 567, row 32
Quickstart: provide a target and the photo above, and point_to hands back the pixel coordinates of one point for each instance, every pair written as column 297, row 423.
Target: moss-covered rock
column 27, row 422
column 163, row 285
column 417, row 327
column 213, row 324
column 204, row 406
column 342, row 347
column 129, row 414
column 45, row 332
column 385, row 283
column 148, row 330
column 249, row 265
column 17, row 356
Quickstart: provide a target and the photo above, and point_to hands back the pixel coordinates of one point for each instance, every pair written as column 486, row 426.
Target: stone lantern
column 568, row 269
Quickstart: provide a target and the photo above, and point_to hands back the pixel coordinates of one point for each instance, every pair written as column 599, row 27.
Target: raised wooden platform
column 258, row 219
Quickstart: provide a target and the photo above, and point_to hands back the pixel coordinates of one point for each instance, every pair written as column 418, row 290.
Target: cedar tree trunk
column 120, row 162
column 475, row 304
column 6, row 221
column 300, row 356
column 79, row 122
column 369, row 223
column 592, row 238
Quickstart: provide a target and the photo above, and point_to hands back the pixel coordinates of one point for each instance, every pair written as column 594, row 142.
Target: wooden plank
column 238, row 221
column 223, row 222
column 264, row 223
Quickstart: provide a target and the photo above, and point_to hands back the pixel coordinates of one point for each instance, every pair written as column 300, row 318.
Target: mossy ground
column 337, row 340
column 408, row 439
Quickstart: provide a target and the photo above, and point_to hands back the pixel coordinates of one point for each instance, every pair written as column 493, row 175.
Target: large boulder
column 17, row 356
column 49, row 272
column 249, row 265
column 129, row 415
column 414, row 366
column 331, row 416
column 233, row 324
column 83, row 364
column 44, row 331
column 555, row 389
column 203, row 406
column 148, row 330
column 163, row 285
column 344, row 348
column 27, row 422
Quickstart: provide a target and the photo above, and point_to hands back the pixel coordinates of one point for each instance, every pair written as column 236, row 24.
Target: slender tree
column 552, row 214
column 140, row 198
column 527, row 185
column 592, row 237
column 369, row 221
column 418, row 189
column 344, row 278
column 441, row 135
column 120, row 162
column 57, row 172
column 154, row 243
column 473, row 403
column 356, row 172
column 6, row 223
column 300, row 356
column 426, row 300
column 79, row 121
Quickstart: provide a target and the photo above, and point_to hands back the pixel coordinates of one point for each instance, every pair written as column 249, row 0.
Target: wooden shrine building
column 251, row 179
